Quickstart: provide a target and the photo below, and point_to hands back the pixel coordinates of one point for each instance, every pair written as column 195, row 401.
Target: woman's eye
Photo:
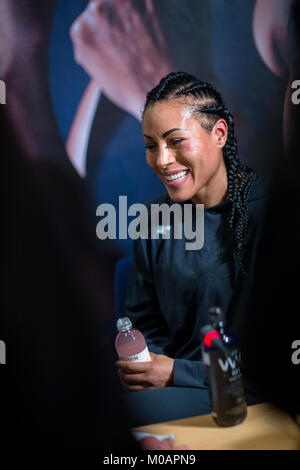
column 150, row 146
column 176, row 141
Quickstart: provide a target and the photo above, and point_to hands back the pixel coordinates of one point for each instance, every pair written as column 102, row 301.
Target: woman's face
column 186, row 158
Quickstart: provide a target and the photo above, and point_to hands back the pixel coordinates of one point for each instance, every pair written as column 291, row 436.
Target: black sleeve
column 189, row 373
column 142, row 305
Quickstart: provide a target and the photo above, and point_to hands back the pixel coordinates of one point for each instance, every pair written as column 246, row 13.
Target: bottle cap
column 216, row 317
column 124, row 324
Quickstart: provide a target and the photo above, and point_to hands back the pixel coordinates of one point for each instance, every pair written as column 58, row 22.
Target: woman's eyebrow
column 172, row 130
column 165, row 134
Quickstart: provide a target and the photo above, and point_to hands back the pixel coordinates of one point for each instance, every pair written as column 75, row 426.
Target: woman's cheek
column 190, row 147
column 150, row 161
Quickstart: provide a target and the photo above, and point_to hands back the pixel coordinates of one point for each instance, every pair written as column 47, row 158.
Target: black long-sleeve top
column 171, row 289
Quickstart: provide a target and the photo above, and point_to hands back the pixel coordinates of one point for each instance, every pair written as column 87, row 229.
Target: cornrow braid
column 168, row 86
column 209, row 103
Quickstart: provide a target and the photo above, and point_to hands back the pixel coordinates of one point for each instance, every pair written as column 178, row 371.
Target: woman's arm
column 142, row 305
column 112, row 42
column 78, row 139
column 24, row 37
column 143, row 309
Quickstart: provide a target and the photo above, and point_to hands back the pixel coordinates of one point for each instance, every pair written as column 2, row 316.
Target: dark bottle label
column 225, row 385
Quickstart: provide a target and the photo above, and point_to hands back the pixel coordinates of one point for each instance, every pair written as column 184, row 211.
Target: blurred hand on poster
column 121, row 49
column 24, row 30
column 24, row 37
column 276, row 32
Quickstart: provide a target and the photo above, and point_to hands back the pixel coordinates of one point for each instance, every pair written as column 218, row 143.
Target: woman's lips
column 180, row 178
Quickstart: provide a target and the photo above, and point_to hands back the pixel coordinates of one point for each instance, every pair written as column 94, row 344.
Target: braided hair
column 207, row 105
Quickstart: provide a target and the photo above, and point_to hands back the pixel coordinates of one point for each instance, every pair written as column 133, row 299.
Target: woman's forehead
column 170, row 113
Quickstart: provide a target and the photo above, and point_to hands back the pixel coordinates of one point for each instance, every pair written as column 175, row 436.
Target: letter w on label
column 225, row 364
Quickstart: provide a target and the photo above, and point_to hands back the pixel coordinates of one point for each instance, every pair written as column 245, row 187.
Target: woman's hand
column 156, row 373
column 152, row 443
column 275, row 34
column 112, row 42
column 24, row 32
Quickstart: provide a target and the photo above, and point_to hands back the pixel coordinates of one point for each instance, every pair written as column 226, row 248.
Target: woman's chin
column 178, row 196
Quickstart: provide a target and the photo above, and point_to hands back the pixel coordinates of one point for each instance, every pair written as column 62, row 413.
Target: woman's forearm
column 78, row 139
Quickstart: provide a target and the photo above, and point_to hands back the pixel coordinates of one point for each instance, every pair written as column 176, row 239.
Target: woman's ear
column 220, row 132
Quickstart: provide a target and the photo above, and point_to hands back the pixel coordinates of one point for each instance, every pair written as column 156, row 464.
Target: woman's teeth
column 177, row 176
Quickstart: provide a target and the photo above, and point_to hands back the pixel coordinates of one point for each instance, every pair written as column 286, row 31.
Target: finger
column 167, row 443
column 152, row 18
column 149, row 7
column 124, row 385
column 132, row 388
column 134, row 366
column 137, row 388
column 152, row 443
column 129, row 371
column 96, row 6
column 126, row 370
column 134, row 379
column 97, row 10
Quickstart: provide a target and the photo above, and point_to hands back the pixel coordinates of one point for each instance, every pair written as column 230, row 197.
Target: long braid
column 206, row 101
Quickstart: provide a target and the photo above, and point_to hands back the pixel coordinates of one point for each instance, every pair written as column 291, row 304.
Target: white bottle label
column 143, row 356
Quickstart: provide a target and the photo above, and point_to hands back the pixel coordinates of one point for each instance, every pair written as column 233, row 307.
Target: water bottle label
column 143, row 356
column 231, row 365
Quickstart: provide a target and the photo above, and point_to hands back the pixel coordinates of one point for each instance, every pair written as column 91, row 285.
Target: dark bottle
column 223, row 362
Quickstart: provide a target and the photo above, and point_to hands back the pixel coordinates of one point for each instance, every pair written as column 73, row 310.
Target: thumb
column 149, row 7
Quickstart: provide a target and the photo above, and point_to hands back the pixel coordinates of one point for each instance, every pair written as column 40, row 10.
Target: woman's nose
column 165, row 157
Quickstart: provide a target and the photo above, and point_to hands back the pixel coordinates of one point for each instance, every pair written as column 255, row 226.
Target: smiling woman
column 186, row 158
column 190, row 144
column 196, row 159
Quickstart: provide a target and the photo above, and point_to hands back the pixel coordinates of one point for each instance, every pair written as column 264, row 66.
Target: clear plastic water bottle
column 223, row 367
column 130, row 343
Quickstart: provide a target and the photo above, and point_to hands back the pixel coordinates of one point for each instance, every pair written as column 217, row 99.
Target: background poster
column 213, row 39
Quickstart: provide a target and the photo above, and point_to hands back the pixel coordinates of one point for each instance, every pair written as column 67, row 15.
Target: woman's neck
column 215, row 191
